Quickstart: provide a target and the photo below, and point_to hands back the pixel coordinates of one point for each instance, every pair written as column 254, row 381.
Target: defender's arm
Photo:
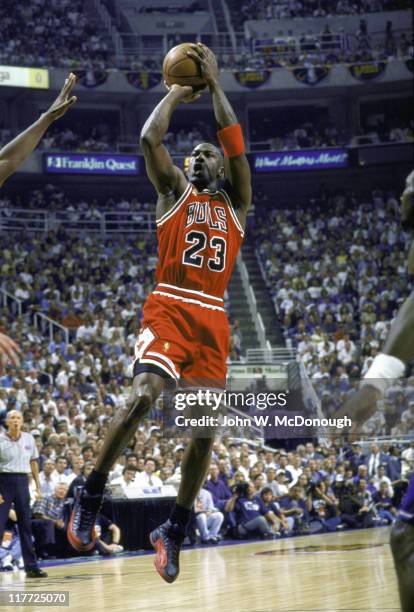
column 16, row 151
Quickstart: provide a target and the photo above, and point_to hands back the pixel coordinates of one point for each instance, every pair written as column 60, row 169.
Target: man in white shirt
column 47, row 478
column 280, row 487
column 245, row 465
column 380, row 478
column 126, row 481
column 147, row 479
column 407, row 457
column 294, row 469
column 208, row 518
column 77, row 428
column 59, row 473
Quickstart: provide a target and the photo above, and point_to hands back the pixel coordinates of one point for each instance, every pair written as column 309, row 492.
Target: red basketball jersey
column 198, row 242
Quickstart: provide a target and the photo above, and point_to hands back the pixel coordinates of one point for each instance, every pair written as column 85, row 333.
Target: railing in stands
column 12, row 302
column 274, row 355
column 47, row 326
column 155, row 46
column 278, row 48
column 252, row 303
column 103, row 222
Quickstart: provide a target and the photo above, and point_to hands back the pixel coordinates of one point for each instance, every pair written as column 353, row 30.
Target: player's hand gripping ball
column 190, row 65
column 180, row 69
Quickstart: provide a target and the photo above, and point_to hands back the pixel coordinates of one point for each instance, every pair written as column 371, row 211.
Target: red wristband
column 231, row 140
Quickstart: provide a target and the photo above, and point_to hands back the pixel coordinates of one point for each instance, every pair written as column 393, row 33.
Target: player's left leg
column 168, row 538
column 146, row 389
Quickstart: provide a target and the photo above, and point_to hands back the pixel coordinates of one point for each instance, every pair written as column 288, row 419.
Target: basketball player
column 12, row 155
column 387, row 367
column 185, row 331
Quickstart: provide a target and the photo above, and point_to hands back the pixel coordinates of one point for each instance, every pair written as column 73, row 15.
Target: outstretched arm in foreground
column 16, row 151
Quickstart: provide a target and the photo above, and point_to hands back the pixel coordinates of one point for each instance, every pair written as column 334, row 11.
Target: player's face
column 205, row 167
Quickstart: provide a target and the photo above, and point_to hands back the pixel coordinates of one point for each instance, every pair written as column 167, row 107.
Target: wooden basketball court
column 340, row 572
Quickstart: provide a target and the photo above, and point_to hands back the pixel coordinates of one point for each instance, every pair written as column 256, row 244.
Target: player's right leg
column 168, row 537
column 146, row 388
column 402, row 546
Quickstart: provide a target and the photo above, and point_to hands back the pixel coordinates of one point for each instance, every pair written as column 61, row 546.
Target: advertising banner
column 14, row 76
column 95, row 163
column 309, row 159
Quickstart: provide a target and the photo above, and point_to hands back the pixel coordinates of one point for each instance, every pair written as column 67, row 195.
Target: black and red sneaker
column 167, row 542
column 81, row 528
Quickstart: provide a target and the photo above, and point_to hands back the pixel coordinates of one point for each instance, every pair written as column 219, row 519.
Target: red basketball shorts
column 184, row 335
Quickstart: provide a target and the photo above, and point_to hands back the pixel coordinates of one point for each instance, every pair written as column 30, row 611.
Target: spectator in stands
column 322, row 506
column 126, row 481
column 48, row 479
column 294, row 507
column 108, row 536
column 354, row 511
column 383, row 504
column 147, row 478
column 48, row 524
column 208, row 518
column 59, row 473
column 218, row 489
column 10, row 548
column 252, row 515
column 285, row 524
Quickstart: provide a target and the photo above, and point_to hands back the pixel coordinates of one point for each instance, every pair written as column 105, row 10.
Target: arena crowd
column 337, row 276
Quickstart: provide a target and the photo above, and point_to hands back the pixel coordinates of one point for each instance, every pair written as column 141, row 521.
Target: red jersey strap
column 232, row 211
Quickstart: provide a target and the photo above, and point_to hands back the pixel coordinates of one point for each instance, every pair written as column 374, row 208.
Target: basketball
column 180, row 69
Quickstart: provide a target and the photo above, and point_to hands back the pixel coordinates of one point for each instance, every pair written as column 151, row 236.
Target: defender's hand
column 64, row 100
column 208, row 63
column 184, row 93
column 8, row 351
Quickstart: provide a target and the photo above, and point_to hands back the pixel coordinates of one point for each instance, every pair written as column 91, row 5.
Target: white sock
column 384, row 370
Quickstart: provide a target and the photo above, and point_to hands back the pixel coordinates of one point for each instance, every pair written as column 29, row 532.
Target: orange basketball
column 183, row 70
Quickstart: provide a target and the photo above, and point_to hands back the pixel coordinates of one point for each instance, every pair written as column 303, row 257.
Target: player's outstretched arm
column 237, row 167
column 407, row 215
column 163, row 174
column 16, row 151
column 398, row 349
